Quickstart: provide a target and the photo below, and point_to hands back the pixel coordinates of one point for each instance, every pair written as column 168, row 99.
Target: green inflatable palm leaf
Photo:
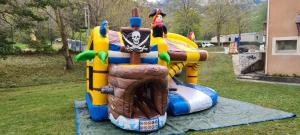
column 102, row 55
column 165, row 56
column 86, row 55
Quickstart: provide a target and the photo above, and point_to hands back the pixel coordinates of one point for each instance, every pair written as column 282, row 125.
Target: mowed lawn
column 30, row 70
column 48, row 108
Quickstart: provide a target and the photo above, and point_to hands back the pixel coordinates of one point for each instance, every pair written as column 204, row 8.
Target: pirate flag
column 136, row 40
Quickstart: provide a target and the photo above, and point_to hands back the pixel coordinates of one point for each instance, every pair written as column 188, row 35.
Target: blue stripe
column 149, row 60
column 114, row 47
column 97, row 113
column 154, row 48
column 135, row 21
column 118, row 60
column 177, row 105
column 76, row 119
column 208, row 91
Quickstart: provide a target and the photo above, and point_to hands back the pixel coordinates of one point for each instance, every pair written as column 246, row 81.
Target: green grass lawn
column 217, row 73
column 214, row 49
column 28, row 70
column 48, row 109
column 45, row 109
column 21, row 46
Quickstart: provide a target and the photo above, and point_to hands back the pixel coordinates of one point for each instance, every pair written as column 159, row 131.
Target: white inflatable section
column 152, row 54
column 118, row 54
column 196, row 99
column 141, row 125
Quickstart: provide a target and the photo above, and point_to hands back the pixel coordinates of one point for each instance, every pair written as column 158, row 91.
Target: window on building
column 229, row 39
column 286, row 46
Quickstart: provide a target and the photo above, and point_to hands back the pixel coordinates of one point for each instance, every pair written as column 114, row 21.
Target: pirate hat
column 154, row 11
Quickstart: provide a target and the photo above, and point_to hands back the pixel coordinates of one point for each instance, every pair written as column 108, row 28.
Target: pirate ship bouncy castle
column 130, row 75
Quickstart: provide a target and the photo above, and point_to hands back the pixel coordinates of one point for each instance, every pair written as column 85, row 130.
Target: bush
column 23, row 37
column 5, row 45
column 41, row 46
column 48, row 49
column 17, row 50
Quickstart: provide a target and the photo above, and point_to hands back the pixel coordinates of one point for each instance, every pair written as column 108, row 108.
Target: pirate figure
column 158, row 27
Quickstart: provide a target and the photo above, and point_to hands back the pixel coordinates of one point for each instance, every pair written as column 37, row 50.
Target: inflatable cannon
column 130, row 75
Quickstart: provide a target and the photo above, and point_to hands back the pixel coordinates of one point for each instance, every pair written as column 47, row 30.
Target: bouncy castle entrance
column 139, row 91
column 149, row 98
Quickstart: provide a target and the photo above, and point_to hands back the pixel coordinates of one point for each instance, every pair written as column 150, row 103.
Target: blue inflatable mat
column 226, row 112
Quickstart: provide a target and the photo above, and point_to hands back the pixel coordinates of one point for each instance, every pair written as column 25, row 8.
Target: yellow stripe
column 181, row 64
column 120, row 38
column 162, row 47
column 191, row 74
column 173, row 69
column 172, row 73
column 90, row 40
column 182, row 39
column 192, row 54
column 193, row 80
column 191, row 51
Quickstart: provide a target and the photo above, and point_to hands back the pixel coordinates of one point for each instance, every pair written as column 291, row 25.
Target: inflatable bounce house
column 130, row 75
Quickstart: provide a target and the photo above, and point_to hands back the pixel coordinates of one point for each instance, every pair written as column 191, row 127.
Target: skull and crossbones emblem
column 135, row 45
column 136, row 36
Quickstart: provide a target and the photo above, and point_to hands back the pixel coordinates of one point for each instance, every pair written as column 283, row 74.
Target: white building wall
column 245, row 37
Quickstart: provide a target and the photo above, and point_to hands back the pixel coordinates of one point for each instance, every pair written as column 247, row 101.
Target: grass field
column 214, row 49
column 36, row 70
column 21, row 46
column 48, row 109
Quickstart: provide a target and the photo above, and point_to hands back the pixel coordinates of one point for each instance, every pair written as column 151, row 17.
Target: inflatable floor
column 226, row 113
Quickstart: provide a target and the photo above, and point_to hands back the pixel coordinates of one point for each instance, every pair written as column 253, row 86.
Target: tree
column 241, row 22
column 246, row 17
column 17, row 13
column 241, row 16
column 69, row 15
column 62, row 16
column 14, row 15
column 77, row 18
column 117, row 12
column 5, row 45
column 217, row 14
column 258, row 16
column 184, row 16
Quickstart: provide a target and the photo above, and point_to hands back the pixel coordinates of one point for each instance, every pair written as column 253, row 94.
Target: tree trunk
column 239, row 26
column 63, row 33
column 240, row 29
column 218, row 34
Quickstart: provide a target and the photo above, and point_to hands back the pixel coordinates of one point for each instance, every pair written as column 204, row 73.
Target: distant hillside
column 205, row 2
